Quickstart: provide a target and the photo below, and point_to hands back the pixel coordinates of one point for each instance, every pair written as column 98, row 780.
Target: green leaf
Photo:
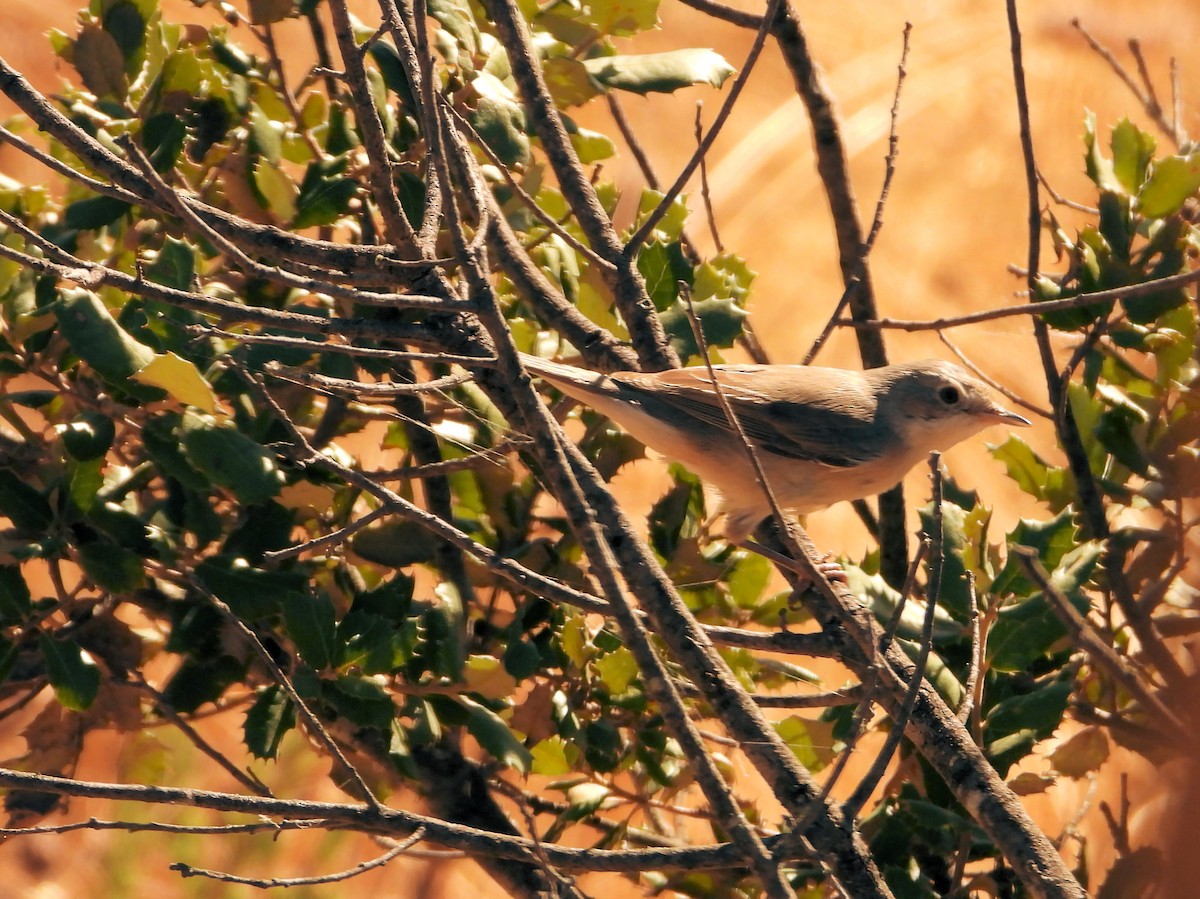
column 1172, row 183
column 521, row 659
column 1033, row 475
column 98, row 340
column 501, row 124
column 1052, row 539
column 1014, row 725
column 591, row 146
column 1120, row 432
column 660, row 72
column 721, row 323
column 750, row 576
column 586, row 798
column 271, row 716
column 614, row 449
column 262, row 529
column 125, row 23
column 231, row 459
column 396, row 544
column 15, row 599
column 73, row 675
column 94, row 213
column 125, row 528
column 277, row 190
column 443, row 626
column 953, row 596
column 1099, row 168
column 362, row 701
column 1132, row 150
column 112, row 567
column 496, row 738
column 87, row 436
column 324, row 196
column 161, row 441
column 670, row 225
column 568, row 81
column 30, row 399
column 85, row 481
column 456, row 18
column 371, row 643
column 174, row 265
column 201, row 680
column 250, row 592
column 662, row 265
column 23, row 504
column 311, row 624
column 395, row 76
column 883, row 599
column 391, row 600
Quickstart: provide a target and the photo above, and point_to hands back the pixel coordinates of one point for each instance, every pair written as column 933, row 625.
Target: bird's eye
column 948, row 395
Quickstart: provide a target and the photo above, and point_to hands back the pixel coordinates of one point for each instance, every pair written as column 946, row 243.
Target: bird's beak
column 1010, row 418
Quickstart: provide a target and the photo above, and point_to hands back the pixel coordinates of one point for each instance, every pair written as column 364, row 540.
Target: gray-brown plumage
column 824, row 434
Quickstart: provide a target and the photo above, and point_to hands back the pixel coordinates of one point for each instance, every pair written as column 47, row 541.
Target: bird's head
column 936, row 404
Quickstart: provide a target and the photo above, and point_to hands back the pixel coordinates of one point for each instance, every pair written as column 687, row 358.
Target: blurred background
column 955, row 219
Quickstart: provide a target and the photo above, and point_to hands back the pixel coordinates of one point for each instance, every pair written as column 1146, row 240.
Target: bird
column 823, row 435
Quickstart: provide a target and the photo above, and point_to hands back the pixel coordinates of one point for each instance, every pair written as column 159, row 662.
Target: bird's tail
column 578, row 383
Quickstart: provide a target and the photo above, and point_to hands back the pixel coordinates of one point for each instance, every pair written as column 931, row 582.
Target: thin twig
column 889, row 171
column 274, row 882
column 341, row 535
column 348, row 387
column 553, row 224
column 1039, row 308
column 1083, row 635
column 726, row 13
column 858, row 799
column 1063, row 201
column 709, row 215
column 164, row 827
column 638, row 238
column 250, row 782
column 1148, row 101
column 383, row 187
column 977, row 649
column 324, row 346
column 632, row 140
column 992, row 382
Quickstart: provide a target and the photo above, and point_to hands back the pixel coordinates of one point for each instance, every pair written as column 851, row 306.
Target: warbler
column 823, row 435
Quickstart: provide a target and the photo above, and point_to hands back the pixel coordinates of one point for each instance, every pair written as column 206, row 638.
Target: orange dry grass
column 955, row 219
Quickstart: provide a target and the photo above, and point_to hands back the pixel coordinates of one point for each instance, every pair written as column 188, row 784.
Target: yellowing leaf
column 552, row 756
column 307, row 496
column 180, row 378
column 100, row 63
column 587, row 797
column 1081, row 753
column 486, row 676
column 263, row 12
column 277, row 189
column 575, row 641
column 617, row 669
column 1028, row 783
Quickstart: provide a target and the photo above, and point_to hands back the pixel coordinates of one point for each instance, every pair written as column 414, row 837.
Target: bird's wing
column 815, row 416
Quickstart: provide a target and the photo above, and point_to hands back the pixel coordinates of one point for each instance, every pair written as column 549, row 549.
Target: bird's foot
column 829, row 569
